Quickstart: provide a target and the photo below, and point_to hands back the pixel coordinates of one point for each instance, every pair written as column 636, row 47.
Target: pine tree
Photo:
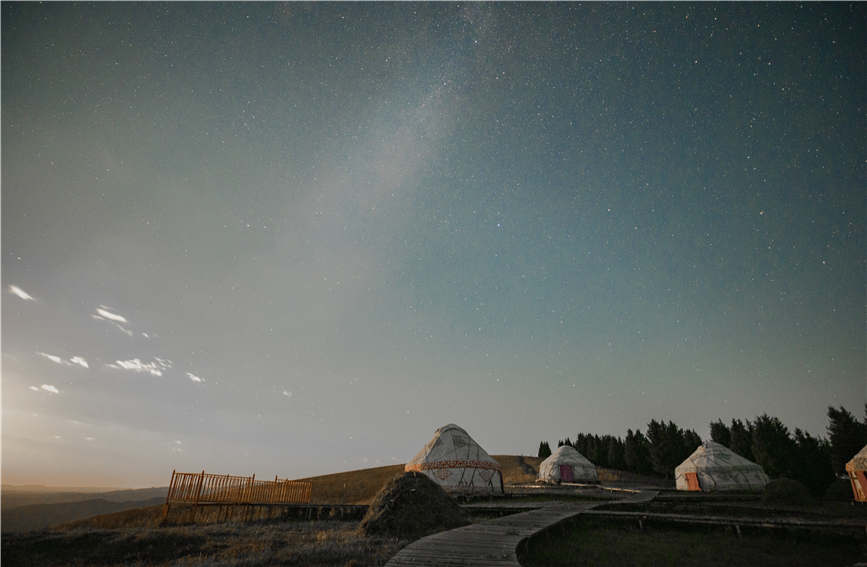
column 772, row 446
column 636, row 453
column 812, row 462
column 847, row 436
column 544, row 450
column 742, row 438
column 720, row 433
column 615, row 453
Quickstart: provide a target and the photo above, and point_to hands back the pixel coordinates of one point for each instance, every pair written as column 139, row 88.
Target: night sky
column 296, row 239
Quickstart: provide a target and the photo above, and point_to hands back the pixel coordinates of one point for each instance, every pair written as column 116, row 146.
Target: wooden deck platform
column 491, row 543
column 854, row 526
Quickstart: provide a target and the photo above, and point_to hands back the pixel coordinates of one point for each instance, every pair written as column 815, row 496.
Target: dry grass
column 360, row 486
column 315, row 544
column 351, row 487
column 147, row 517
column 517, row 468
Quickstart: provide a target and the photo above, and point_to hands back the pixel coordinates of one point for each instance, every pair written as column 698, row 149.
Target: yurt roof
column 451, row 442
column 567, row 455
column 711, row 455
column 859, row 461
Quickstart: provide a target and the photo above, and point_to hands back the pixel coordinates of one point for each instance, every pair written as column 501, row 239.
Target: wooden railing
column 206, row 488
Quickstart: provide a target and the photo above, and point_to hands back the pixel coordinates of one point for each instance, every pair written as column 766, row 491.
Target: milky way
column 294, row 239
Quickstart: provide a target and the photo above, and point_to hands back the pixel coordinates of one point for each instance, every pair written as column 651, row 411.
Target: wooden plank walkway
column 492, row 543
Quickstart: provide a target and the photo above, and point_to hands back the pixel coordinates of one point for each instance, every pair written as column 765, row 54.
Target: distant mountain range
column 31, row 508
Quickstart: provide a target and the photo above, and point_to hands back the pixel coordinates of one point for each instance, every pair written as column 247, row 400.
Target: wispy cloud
column 15, row 290
column 194, row 378
column 103, row 314
column 79, row 360
column 53, row 358
column 156, row 367
column 49, row 388
column 34, row 388
column 287, row 393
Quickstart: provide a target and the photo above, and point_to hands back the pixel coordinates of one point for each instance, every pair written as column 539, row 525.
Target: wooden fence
column 206, row 488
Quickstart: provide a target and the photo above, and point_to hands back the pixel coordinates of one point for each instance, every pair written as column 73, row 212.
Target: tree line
column 656, row 452
column 814, row 461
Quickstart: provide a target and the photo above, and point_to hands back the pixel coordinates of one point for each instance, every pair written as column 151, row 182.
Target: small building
column 716, row 467
column 567, row 465
column 456, row 462
column 857, row 471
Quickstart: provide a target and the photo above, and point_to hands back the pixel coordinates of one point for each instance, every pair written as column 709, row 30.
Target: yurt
column 457, row 463
column 857, row 469
column 567, row 465
column 715, row 467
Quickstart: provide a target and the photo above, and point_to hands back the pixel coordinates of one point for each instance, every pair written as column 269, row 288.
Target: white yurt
column 567, row 465
column 857, row 471
column 456, row 462
column 716, row 467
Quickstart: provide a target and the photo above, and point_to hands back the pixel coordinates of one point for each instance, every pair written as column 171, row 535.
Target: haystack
column 411, row 506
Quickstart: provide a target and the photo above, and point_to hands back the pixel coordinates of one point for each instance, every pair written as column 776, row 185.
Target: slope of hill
column 36, row 516
column 351, row 487
column 360, row 486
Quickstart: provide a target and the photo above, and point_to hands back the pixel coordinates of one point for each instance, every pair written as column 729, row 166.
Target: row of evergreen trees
column 814, row 461
column 658, row 451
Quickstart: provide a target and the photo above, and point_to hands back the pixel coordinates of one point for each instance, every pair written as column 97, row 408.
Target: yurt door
column 859, row 485
column 692, row 481
column 566, row 473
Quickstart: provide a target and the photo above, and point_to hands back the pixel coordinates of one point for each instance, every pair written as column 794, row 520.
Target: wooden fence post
column 171, row 486
column 199, row 489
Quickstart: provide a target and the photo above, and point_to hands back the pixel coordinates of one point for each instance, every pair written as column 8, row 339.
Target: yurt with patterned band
column 456, row 462
column 857, row 471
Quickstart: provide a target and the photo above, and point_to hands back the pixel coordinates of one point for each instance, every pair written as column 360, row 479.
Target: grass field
column 603, row 544
column 314, row 544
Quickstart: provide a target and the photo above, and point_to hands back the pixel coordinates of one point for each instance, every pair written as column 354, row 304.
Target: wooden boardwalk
column 492, row 543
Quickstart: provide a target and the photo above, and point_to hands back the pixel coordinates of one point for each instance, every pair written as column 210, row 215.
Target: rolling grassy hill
column 349, row 487
column 360, row 486
column 36, row 516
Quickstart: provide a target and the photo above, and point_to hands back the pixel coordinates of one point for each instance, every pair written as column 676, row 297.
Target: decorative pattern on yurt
column 457, row 463
column 567, row 465
column 715, row 467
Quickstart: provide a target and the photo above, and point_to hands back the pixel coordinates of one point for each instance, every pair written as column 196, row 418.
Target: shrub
column 840, row 490
column 786, row 491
